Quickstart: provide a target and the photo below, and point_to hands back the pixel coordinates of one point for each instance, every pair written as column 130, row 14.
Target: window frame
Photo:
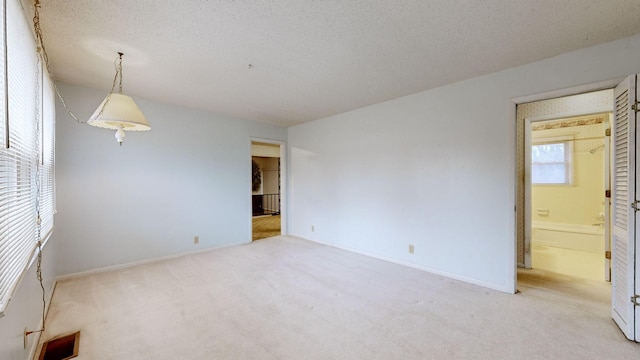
column 568, row 141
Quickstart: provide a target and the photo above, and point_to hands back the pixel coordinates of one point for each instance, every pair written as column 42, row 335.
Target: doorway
column 266, row 189
column 562, row 221
column 567, row 168
column 622, row 101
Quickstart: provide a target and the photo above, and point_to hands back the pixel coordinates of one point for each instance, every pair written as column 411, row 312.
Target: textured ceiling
column 312, row 59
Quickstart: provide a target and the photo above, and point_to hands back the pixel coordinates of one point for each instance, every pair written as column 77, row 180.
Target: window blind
column 3, row 77
column 26, row 166
column 47, row 151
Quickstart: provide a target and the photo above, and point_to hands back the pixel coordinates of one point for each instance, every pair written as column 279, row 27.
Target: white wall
column 190, row 175
column 435, row 169
column 25, row 309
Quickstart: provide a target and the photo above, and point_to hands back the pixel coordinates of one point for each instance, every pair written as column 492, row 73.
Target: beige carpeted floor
column 286, row 298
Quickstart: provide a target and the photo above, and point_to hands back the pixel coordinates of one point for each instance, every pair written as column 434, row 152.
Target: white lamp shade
column 119, row 111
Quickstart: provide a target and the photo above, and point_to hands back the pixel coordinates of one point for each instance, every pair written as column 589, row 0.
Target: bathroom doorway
column 569, row 182
column 564, row 218
column 621, row 204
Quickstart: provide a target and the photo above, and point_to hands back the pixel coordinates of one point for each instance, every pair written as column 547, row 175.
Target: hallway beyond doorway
column 266, row 226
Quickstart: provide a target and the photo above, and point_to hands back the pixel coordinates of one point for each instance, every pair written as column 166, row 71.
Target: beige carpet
column 265, row 226
column 286, row 298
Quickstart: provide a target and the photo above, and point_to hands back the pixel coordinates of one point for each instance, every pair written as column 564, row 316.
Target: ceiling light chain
column 117, row 111
column 118, row 76
column 45, row 57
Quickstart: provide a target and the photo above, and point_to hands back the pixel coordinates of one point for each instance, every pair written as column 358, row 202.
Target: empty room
column 403, row 159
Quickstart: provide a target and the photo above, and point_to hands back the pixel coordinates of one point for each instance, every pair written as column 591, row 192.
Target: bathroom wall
column 583, row 201
column 567, row 235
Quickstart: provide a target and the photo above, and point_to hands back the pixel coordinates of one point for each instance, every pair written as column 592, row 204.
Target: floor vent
column 61, row 348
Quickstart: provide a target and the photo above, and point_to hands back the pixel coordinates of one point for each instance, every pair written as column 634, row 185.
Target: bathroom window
column 551, row 163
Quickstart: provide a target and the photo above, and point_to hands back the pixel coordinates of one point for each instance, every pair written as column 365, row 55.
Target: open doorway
column 567, row 165
column 621, row 204
column 266, row 189
column 563, row 209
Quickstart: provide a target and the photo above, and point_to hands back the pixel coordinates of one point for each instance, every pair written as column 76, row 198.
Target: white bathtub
column 568, row 236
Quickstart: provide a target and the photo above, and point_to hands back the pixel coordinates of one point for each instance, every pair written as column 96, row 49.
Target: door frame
column 283, row 184
column 519, row 176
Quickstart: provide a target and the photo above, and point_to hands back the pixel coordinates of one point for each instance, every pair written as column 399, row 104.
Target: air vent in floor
column 61, row 348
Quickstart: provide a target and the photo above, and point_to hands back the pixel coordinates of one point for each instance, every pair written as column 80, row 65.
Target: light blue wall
column 189, row 176
column 435, row 169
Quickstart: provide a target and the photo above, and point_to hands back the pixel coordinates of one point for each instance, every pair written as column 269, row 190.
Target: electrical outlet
column 411, row 249
column 196, row 240
column 313, row 228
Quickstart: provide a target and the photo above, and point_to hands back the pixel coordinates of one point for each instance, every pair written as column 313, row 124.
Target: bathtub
column 568, row 236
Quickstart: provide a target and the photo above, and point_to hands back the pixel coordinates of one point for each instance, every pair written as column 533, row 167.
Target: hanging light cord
column 118, row 77
column 45, row 57
column 37, row 201
column 39, row 164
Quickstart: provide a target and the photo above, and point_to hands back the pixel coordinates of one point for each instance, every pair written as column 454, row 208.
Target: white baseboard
column 142, row 262
column 466, row 279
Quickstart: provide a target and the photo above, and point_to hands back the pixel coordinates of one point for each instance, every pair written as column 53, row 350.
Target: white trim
column 141, row 262
column 490, row 285
column 511, row 219
column 575, row 90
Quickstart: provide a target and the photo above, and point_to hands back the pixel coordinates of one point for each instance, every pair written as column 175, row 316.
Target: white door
column 624, row 201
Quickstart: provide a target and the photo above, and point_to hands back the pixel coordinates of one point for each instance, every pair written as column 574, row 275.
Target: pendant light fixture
column 118, row 111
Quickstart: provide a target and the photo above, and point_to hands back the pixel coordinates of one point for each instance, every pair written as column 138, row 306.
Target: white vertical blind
column 29, row 155
column 3, row 78
column 47, row 168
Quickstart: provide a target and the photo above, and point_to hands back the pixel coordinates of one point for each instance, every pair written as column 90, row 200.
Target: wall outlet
column 196, row 240
column 411, row 249
column 313, row 228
